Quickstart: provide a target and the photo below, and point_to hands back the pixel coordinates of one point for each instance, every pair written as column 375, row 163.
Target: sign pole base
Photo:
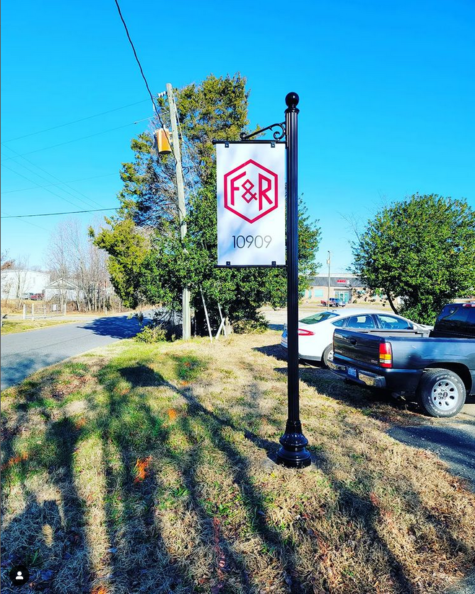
column 293, row 453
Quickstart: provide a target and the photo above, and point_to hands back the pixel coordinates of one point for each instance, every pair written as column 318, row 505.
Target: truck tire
column 441, row 393
column 327, row 356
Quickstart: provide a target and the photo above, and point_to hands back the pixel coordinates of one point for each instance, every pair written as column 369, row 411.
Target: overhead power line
column 138, row 62
column 69, row 141
column 71, row 181
column 142, row 73
column 46, row 189
column 75, row 121
column 34, row 225
column 90, row 200
column 53, row 214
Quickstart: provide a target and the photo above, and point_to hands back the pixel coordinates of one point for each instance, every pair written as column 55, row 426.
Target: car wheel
column 441, row 393
column 327, row 355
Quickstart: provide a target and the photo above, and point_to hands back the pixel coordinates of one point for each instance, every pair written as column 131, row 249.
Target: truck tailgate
column 356, row 345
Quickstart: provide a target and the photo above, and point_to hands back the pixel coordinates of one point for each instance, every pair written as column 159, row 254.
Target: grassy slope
column 145, row 469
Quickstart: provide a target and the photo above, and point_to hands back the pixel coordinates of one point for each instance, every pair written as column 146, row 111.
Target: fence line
column 43, row 311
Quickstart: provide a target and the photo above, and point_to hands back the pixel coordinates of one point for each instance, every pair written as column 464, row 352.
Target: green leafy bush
column 246, row 326
column 152, row 333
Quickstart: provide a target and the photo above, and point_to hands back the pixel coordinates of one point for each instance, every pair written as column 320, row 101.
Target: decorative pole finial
column 292, row 100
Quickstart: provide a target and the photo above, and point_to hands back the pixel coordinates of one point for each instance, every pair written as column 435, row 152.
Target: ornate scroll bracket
column 278, row 134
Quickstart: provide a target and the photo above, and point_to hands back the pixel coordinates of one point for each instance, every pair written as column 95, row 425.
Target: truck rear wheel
column 441, row 393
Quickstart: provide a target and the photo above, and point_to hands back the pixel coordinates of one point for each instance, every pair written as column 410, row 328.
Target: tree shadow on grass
column 67, row 567
column 130, row 432
column 67, row 562
column 140, row 556
column 351, row 499
column 230, row 570
column 359, row 502
column 140, row 376
column 30, row 539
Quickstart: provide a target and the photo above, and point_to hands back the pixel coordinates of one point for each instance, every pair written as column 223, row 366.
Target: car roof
column 353, row 311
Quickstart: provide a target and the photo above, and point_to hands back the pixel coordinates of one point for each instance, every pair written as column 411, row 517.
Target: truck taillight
column 303, row 332
column 385, row 355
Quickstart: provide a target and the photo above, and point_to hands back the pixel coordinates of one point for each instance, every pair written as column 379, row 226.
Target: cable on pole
column 138, row 62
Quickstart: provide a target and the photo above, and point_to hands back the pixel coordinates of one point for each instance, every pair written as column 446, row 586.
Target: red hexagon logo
column 251, row 191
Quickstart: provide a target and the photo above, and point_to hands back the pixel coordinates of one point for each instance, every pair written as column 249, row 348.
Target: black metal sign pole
column 293, row 453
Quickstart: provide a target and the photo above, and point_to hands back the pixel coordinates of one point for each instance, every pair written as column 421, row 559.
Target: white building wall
column 16, row 282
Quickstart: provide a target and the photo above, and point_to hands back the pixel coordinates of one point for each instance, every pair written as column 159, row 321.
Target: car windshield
column 319, row 317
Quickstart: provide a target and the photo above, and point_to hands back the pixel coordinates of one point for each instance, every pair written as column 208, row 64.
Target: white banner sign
column 251, row 204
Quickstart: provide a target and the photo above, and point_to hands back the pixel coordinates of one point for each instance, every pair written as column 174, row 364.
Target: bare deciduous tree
column 21, row 274
column 75, row 260
column 7, row 281
column 6, row 261
column 59, row 258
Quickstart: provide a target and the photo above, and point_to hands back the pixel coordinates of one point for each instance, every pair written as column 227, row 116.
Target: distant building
column 19, row 283
column 345, row 286
column 342, row 286
column 63, row 290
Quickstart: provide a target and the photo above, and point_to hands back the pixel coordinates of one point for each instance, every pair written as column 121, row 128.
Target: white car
column 316, row 330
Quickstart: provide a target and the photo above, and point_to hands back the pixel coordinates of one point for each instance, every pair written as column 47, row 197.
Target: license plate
column 352, row 372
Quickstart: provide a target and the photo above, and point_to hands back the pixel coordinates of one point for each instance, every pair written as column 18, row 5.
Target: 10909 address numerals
column 241, row 241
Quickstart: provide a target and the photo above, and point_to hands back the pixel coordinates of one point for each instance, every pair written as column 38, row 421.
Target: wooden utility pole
column 186, row 316
column 329, row 264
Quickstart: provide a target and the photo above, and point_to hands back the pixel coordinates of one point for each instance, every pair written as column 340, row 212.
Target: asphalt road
column 26, row 352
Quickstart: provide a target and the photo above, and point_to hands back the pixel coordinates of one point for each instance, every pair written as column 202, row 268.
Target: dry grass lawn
column 13, row 326
column 143, row 468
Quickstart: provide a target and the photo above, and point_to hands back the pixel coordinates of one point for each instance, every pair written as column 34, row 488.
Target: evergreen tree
column 144, row 240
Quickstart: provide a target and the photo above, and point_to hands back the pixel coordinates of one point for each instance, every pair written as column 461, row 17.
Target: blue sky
column 386, row 97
